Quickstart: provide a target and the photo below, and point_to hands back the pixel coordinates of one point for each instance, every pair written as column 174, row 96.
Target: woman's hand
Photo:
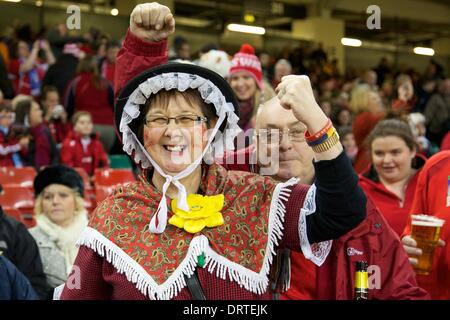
column 410, row 246
column 152, row 22
column 296, row 93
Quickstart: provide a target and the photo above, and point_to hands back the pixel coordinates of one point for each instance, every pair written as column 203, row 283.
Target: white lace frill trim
column 209, row 92
column 256, row 282
column 317, row 252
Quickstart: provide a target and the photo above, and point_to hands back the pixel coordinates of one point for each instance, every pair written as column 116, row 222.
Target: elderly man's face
column 295, row 156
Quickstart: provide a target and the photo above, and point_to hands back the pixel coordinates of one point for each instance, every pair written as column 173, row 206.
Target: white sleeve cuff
column 317, row 252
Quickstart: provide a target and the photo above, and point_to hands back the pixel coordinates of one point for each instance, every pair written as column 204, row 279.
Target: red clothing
column 390, row 206
column 373, row 238
column 42, row 150
column 21, row 80
column 445, row 145
column 7, row 149
column 433, row 197
column 362, row 125
column 59, row 130
column 74, row 155
column 108, row 70
column 402, row 106
column 105, row 282
column 83, row 95
column 373, row 241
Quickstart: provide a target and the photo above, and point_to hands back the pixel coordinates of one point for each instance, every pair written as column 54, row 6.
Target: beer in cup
column 425, row 230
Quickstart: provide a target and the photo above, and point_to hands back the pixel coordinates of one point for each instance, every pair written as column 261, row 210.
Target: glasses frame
column 198, row 120
column 281, row 133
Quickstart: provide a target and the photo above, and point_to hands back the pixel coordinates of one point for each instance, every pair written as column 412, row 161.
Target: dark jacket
column 60, row 73
column 17, row 244
column 42, row 148
column 13, row 284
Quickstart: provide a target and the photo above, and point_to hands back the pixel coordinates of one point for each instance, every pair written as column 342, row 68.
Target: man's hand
column 152, row 22
column 295, row 93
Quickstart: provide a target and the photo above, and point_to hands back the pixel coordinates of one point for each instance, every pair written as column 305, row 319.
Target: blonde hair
column 360, row 98
column 79, row 203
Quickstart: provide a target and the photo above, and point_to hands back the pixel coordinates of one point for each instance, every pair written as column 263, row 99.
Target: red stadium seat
column 19, row 177
column 13, row 213
column 112, row 177
column 85, row 177
column 19, row 199
column 102, row 192
column 16, row 197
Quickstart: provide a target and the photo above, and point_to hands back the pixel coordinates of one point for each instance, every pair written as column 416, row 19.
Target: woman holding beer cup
column 432, row 198
column 391, row 180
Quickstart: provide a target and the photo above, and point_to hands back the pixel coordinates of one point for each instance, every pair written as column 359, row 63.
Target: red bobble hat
column 245, row 60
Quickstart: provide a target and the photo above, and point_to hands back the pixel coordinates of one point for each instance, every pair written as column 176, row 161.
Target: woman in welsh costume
column 189, row 229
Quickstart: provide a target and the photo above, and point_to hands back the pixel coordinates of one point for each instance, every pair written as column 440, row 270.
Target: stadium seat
column 112, row 177
column 16, row 197
column 18, row 177
column 85, row 177
column 102, row 192
column 13, row 213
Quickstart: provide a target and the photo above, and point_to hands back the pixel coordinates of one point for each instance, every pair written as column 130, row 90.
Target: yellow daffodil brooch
column 204, row 212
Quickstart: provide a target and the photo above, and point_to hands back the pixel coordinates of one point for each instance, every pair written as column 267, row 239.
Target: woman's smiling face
column 174, row 146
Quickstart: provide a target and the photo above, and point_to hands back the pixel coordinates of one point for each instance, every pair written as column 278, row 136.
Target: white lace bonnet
column 213, row 89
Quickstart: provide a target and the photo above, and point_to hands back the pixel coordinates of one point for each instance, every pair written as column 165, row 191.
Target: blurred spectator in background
column 319, row 55
column 342, row 118
column 368, row 109
column 217, row 61
column 59, row 36
column 282, row 68
column 82, row 148
column 247, row 82
column 61, row 217
column 181, row 49
column 391, row 180
column 348, row 142
column 383, row 69
column 12, row 149
column 42, row 149
column 88, row 91
column 437, row 113
column 55, row 115
column 19, row 247
column 60, row 74
column 370, row 78
column 416, row 122
column 107, row 65
column 266, row 66
column 28, row 70
column 5, row 85
column 405, row 99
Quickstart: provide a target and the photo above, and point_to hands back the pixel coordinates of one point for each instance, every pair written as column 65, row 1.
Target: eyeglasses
column 274, row 136
column 11, row 116
column 185, row 121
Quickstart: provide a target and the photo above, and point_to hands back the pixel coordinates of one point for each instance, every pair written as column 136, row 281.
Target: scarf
column 64, row 238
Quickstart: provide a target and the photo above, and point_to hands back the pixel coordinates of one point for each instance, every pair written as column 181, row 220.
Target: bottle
column 361, row 281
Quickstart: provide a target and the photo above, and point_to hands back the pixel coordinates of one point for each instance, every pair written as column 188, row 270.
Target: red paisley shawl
column 123, row 218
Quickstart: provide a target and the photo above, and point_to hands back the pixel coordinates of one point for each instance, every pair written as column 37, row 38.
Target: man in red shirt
column 432, row 197
column 279, row 136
